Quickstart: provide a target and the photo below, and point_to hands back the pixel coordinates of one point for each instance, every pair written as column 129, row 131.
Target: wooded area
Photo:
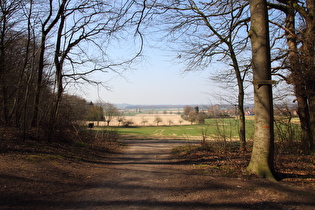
column 47, row 46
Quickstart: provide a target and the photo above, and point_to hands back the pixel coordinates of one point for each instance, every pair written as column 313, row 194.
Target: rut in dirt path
column 145, row 177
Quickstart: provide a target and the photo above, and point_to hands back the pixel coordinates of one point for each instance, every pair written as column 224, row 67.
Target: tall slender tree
column 47, row 24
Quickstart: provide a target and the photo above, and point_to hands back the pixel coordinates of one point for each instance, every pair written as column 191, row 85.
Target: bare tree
column 298, row 28
column 302, row 73
column 120, row 119
column 187, row 110
column 17, row 61
column 10, row 37
column 209, row 31
column 110, row 111
column 47, row 24
column 80, row 25
column 44, row 46
column 192, row 116
column 144, row 121
column 158, row 120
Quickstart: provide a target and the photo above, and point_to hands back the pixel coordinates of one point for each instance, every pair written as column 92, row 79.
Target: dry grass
column 149, row 120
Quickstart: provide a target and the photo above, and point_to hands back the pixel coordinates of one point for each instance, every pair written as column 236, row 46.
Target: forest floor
column 146, row 174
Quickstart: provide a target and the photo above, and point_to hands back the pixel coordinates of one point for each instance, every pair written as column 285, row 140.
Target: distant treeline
column 202, row 106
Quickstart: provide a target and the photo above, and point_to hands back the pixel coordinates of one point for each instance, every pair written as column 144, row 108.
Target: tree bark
column 261, row 162
column 241, row 113
column 308, row 47
column 4, row 103
column 44, row 31
column 58, row 61
column 298, row 79
column 312, row 121
column 242, row 126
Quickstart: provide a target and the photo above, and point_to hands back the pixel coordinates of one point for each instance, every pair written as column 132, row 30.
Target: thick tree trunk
column 308, row 47
column 261, row 162
column 303, row 112
column 312, row 121
column 298, row 79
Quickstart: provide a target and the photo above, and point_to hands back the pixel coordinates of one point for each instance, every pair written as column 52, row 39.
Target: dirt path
column 144, row 177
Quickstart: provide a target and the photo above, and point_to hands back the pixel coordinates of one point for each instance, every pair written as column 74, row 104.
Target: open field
column 167, row 119
column 216, row 129
column 148, row 120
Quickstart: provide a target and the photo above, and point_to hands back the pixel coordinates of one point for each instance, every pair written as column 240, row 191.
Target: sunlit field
column 214, row 129
column 149, row 120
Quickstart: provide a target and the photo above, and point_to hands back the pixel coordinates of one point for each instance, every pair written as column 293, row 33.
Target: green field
column 213, row 129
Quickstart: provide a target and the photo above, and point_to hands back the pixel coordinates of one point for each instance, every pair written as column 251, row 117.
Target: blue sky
column 159, row 79
column 156, row 79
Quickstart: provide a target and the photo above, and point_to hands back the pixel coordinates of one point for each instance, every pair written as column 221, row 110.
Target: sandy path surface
column 144, row 176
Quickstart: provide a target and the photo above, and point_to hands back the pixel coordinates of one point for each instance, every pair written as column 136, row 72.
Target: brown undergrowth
column 35, row 169
column 32, row 145
column 227, row 160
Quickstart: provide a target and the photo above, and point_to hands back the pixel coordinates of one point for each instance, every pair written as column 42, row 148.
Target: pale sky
column 155, row 80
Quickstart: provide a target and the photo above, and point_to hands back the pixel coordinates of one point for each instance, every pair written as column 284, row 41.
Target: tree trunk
column 38, row 88
column 308, row 46
column 4, row 105
column 242, row 126
column 240, row 107
column 312, row 121
column 303, row 112
column 44, row 31
column 298, row 79
column 58, row 60
column 261, row 162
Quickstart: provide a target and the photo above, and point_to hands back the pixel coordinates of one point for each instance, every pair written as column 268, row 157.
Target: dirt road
column 142, row 176
column 145, row 177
